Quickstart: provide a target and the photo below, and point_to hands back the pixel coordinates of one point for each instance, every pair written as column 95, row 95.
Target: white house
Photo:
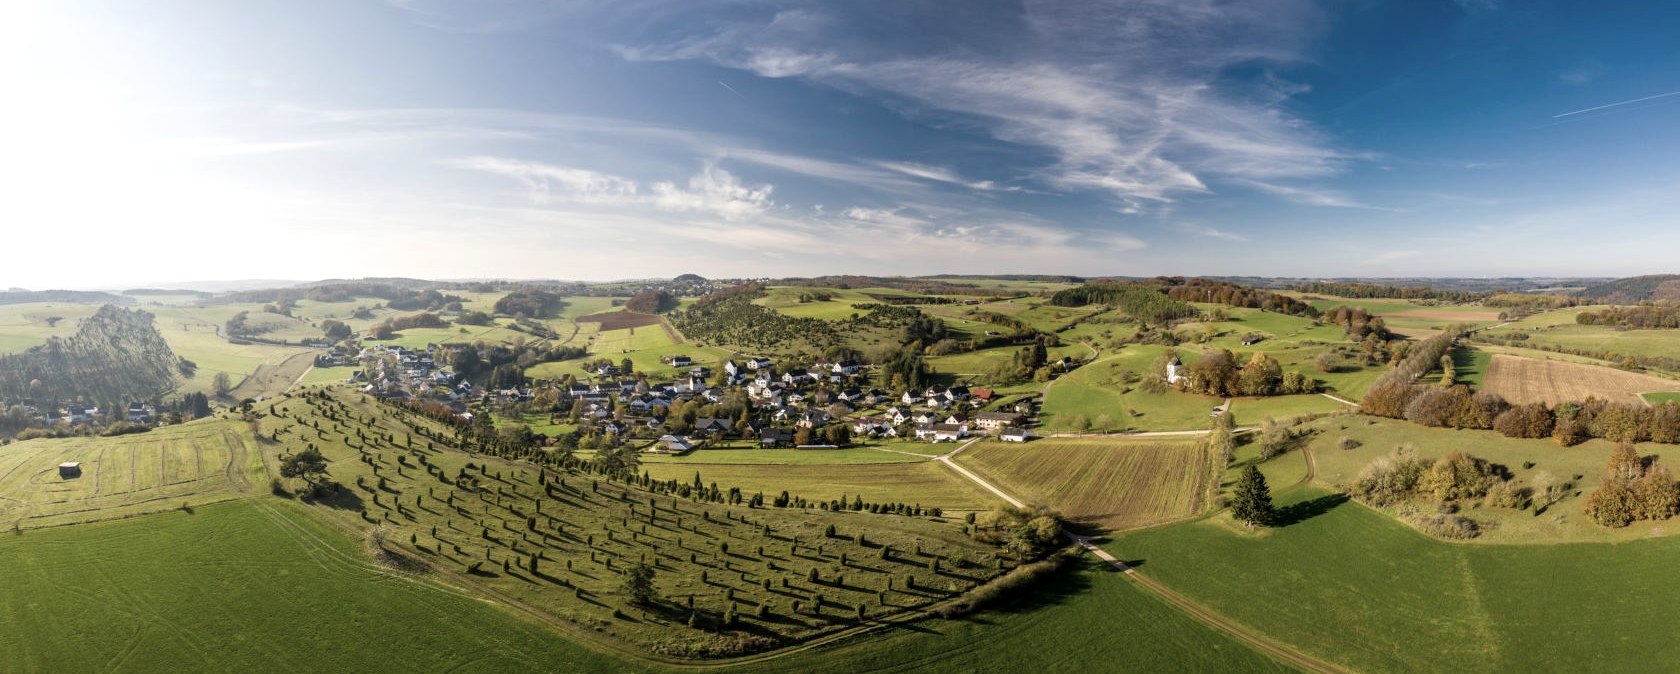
column 1175, row 371
column 1014, row 435
column 941, row 432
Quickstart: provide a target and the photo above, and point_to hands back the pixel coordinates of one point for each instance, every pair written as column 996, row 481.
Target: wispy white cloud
column 943, row 175
column 1129, row 98
column 542, row 180
column 1209, row 232
column 1311, row 196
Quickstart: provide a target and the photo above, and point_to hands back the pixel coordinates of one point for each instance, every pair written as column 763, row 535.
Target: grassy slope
column 174, row 592
column 1354, row 586
column 180, row 592
column 1563, row 521
column 792, row 457
column 924, row 482
column 25, row 325
column 205, row 461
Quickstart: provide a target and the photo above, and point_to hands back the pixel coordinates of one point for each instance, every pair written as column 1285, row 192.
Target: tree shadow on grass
column 340, row 498
column 1296, row 513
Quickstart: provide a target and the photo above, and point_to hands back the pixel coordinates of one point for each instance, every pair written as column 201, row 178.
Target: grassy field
column 926, row 482
column 1353, row 586
column 174, row 592
column 26, row 325
column 196, row 463
column 1558, row 329
column 1524, row 380
column 841, row 307
column 1114, row 483
column 790, row 457
column 1413, row 319
column 1660, row 397
column 1580, row 465
column 1470, row 366
column 1252, row 411
column 179, row 592
column 1099, row 389
column 645, row 346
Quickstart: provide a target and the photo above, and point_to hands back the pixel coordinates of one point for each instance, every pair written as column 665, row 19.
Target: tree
column 1275, row 437
column 638, row 584
column 1252, row 503
column 335, row 330
column 1656, row 493
column 1221, row 443
column 221, row 385
column 1613, row 504
column 307, row 465
column 1625, row 463
column 1262, row 376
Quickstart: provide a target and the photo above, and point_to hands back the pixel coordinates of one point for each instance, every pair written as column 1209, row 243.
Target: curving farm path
column 1259, row 642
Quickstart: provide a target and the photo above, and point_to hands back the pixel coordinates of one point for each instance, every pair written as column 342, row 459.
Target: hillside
column 733, row 571
column 19, row 296
column 117, row 355
column 1636, row 289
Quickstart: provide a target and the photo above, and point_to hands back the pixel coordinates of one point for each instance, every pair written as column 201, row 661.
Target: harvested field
column 1525, row 380
column 1115, row 483
column 619, row 320
column 275, row 375
column 1457, row 315
column 128, row 475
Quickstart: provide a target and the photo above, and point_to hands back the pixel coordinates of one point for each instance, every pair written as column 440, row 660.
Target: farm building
column 994, row 420
column 1175, row 370
column 1014, row 435
column 70, row 469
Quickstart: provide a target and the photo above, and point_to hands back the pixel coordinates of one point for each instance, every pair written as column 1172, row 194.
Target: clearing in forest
column 1526, row 380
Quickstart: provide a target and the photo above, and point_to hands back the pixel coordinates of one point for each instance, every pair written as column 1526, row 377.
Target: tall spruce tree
column 1252, row 504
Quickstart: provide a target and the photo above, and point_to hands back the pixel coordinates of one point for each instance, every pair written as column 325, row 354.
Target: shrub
column 1389, row 480
column 1450, row 526
column 1457, row 475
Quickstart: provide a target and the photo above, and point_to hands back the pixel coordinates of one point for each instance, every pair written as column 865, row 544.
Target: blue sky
column 199, row 139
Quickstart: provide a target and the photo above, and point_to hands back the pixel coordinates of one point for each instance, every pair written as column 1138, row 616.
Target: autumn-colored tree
column 1260, row 377
column 1613, row 504
column 1624, row 464
column 1657, row 494
column 1532, row 421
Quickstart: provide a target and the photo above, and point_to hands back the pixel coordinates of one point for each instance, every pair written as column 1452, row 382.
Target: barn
column 70, row 469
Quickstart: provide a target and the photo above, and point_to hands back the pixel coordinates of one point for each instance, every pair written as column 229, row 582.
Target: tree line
column 1641, row 317
column 1222, row 292
column 1380, row 291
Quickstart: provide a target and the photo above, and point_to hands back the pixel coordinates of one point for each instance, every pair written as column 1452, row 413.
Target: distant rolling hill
column 20, row 296
column 1664, row 288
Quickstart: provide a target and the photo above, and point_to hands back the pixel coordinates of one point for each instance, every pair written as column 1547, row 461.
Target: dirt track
column 274, row 376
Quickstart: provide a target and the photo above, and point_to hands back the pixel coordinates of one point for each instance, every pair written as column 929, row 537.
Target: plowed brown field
column 1526, row 380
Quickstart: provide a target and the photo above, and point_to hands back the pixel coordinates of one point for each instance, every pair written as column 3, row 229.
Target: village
column 751, row 400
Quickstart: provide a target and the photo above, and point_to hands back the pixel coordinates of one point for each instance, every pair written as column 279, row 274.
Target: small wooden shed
column 70, row 469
